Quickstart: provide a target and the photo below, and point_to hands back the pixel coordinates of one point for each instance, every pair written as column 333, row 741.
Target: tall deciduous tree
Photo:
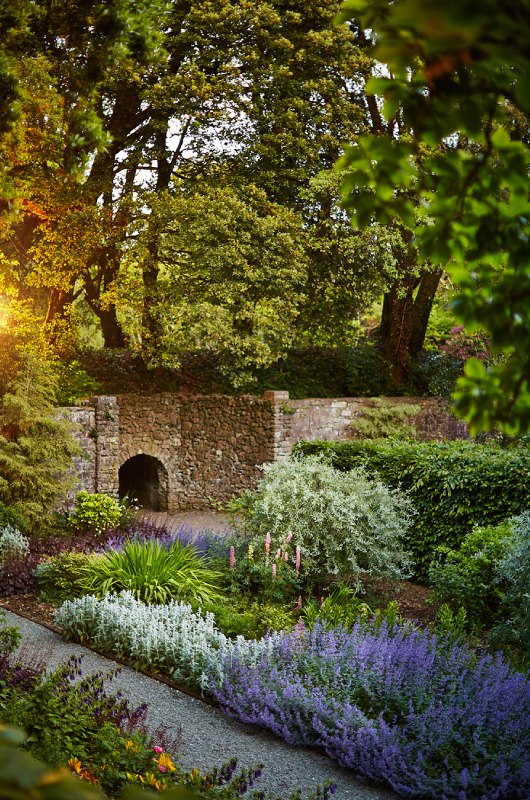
column 459, row 71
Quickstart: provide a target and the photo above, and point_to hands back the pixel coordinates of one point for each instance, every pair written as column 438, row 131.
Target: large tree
column 458, row 73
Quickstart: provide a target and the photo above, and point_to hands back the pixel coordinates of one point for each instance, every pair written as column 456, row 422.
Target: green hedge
column 453, row 485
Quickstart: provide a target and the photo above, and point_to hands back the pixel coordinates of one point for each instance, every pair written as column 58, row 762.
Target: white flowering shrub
column 12, row 543
column 171, row 638
column 343, row 522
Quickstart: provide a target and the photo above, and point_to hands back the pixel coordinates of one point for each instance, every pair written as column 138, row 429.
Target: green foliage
column 21, row 775
column 513, row 573
column 383, row 419
column 467, row 578
column 74, row 382
column 367, row 371
column 340, row 607
column 11, row 516
column 152, row 573
column 12, row 543
column 451, row 625
column 460, row 182
column 96, row 512
column 36, row 446
column 232, row 271
column 453, row 486
column 10, row 636
column 253, row 577
column 61, row 577
column 343, row 522
column 251, row 620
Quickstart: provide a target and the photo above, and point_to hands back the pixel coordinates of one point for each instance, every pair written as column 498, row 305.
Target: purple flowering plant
column 396, row 704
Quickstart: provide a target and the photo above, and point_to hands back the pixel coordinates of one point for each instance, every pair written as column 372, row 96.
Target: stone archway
column 145, row 479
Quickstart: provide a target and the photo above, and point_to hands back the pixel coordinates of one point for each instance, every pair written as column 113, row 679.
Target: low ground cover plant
column 13, row 544
column 173, row 639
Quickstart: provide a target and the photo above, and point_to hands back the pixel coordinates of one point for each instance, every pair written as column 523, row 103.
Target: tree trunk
column 57, row 321
column 111, row 328
column 404, row 322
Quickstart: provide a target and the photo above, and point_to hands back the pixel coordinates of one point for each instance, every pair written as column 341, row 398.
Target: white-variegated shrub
column 343, row 522
column 171, row 638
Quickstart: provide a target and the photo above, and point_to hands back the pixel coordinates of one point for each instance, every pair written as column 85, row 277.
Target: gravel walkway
column 206, row 736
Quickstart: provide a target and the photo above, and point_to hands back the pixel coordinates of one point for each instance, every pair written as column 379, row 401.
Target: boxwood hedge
column 453, row 485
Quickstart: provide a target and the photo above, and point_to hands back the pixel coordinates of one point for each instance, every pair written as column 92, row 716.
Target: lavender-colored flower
column 399, row 705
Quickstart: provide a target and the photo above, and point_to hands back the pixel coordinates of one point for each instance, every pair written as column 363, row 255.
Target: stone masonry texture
column 210, row 447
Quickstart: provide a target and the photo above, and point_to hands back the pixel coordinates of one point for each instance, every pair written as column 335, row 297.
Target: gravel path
column 206, row 736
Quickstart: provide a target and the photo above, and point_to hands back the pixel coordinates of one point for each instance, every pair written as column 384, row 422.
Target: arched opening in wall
column 144, row 479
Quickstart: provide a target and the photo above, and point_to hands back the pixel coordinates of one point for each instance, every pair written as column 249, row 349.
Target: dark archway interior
column 143, row 478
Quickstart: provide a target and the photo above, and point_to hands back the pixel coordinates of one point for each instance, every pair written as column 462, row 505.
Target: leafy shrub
column 383, row 419
column 340, row 607
column 467, row 577
column 343, row 522
column 152, row 574
column 96, row 512
column 395, row 705
column 12, row 516
column 454, row 486
column 61, row 577
column 513, row 572
column 12, row 543
column 367, row 371
column 252, row 620
column 172, row 638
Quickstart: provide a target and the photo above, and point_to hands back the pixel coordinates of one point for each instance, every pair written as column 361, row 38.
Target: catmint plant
column 399, row 705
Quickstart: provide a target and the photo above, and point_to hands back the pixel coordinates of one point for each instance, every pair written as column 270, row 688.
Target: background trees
column 458, row 76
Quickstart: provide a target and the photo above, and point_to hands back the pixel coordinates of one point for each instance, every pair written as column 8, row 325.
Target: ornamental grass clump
column 399, row 705
column 153, row 573
column 343, row 522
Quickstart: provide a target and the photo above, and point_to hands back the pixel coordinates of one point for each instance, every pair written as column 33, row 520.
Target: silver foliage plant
column 12, row 543
column 170, row 638
column 344, row 522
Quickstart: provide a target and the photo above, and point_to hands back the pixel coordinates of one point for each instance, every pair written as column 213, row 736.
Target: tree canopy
column 457, row 74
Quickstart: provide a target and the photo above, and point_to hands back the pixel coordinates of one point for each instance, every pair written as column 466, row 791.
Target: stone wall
column 210, row 446
column 332, row 419
column 188, row 450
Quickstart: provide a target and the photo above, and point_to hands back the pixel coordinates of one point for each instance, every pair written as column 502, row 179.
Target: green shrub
column 96, row 512
column 367, row 371
column 454, row 486
column 513, row 572
column 384, row 419
column 153, row 574
column 344, row 523
column 467, row 577
column 12, row 543
column 340, row 607
column 12, row 516
column 61, row 577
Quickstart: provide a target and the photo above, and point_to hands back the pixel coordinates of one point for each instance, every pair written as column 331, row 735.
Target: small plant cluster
column 454, row 486
column 395, row 704
column 13, row 544
column 97, row 512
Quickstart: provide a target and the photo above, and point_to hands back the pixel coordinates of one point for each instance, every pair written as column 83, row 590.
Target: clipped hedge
column 453, row 485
